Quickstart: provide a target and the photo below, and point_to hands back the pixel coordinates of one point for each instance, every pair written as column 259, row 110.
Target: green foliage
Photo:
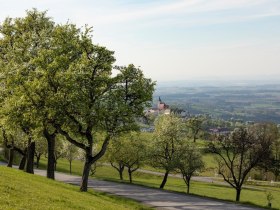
column 128, row 150
column 168, row 139
column 195, row 125
column 243, row 150
column 189, row 162
column 56, row 80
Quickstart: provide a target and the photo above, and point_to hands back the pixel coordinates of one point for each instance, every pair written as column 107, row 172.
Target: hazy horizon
column 219, row 82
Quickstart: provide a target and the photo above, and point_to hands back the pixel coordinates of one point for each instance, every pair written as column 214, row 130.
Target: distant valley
column 245, row 101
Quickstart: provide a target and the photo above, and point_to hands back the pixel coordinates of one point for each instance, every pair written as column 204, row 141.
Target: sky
column 177, row 39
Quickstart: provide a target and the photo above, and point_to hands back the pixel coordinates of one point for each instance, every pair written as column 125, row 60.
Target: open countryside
column 139, row 105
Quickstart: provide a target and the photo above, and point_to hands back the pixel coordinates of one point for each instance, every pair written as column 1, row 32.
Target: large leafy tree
column 243, row 150
column 100, row 102
column 24, row 43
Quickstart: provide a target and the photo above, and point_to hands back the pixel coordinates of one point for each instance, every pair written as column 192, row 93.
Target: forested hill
column 247, row 102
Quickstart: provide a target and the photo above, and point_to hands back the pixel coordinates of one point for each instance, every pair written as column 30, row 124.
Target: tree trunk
column 38, row 160
column 238, row 192
column 51, row 158
column 121, row 168
column 22, row 163
column 70, row 167
column 130, row 175
column 30, row 158
column 164, row 180
column 11, row 158
column 194, row 139
column 87, row 166
column 188, row 185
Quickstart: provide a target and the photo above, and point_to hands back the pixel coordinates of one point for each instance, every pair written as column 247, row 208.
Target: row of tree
column 169, row 149
column 237, row 153
column 56, row 82
column 15, row 147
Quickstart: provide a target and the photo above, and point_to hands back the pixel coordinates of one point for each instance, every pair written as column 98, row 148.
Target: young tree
column 274, row 164
column 189, row 161
column 40, row 149
column 243, row 150
column 135, row 153
column 168, row 139
column 70, row 152
column 128, row 150
column 115, row 156
column 195, row 125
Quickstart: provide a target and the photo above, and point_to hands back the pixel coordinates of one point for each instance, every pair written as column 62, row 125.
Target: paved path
column 160, row 199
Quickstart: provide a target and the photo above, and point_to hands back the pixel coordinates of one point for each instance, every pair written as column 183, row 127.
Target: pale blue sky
column 177, row 39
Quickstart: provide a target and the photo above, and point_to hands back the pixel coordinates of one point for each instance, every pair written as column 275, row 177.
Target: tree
column 40, row 149
column 274, row 164
column 107, row 104
column 15, row 141
column 195, row 124
column 242, row 151
column 128, row 150
column 70, row 152
column 135, row 153
column 59, row 151
column 168, row 138
column 189, row 161
column 27, row 55
column 115, row 156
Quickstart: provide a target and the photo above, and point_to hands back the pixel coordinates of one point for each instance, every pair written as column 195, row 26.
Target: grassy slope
column 257, row 197
column 20, row 190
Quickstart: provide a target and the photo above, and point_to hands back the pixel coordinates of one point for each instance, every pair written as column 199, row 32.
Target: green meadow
column 20, row 190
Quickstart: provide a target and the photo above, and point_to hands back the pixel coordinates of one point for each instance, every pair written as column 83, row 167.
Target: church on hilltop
column 162, row 108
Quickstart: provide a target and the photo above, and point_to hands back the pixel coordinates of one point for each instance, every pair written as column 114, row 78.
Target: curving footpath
column 160, row 199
